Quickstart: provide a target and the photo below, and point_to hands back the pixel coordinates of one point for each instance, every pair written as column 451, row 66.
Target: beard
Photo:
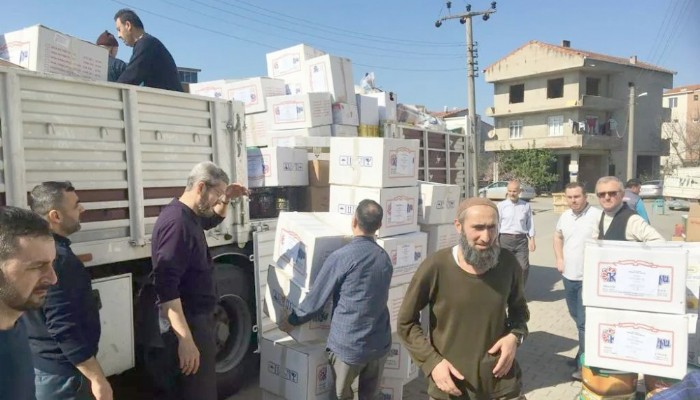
column 480, row 260
column 70, row 227
column 15, row 301
column 203, row 208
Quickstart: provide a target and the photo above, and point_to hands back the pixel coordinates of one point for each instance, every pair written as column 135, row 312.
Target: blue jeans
column 574, row 301
column 59, row 387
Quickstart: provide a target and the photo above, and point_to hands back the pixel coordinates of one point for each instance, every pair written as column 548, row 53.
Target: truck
column 682, row 187
column 128, row 150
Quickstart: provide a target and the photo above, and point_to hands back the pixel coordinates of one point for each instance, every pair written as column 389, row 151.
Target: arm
column 99, row 385
column 531, row 229
column 233, row 190
column 638, row 230
column 332, row 275
column 559, row 251
column 642, row 211
column 138, row 67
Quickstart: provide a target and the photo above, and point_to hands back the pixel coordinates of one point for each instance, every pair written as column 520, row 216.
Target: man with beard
column 27, row 252
column 478, row 312
column 183, row 272
column 64, row 334
column 517, row 227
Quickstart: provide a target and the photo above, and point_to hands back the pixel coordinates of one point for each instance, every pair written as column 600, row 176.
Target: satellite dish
column 492, row 134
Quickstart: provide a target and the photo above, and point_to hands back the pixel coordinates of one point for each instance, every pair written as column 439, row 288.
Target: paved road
column 553, row 337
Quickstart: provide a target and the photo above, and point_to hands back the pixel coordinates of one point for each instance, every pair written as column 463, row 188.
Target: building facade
column 682, row 127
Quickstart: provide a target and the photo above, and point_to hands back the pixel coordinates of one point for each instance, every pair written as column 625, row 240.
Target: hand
column 188, row 354
column 101, row 389
column 234, row 190
column 531, row 245
column 560, row 266
column 507, row 346
column 442, row 376
column 283, row 323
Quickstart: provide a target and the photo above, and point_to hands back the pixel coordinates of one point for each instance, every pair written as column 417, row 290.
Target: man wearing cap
column 477, row 309
column 115, row 66
column 632, row 199
column 517, row 227
column 151, row 63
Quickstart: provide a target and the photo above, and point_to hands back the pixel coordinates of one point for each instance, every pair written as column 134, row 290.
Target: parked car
column 498, row 191
column 678, row 204
column 652, row 189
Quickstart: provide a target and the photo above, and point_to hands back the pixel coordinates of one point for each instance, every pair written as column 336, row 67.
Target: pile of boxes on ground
column 641, row 304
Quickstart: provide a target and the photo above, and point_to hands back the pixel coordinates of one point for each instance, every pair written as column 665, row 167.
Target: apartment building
column 682, row 128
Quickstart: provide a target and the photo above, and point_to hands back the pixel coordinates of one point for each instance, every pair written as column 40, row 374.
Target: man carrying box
column 358, row 277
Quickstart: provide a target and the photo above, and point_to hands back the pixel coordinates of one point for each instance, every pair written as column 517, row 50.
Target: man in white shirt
column 573, row 229
column 516, row 226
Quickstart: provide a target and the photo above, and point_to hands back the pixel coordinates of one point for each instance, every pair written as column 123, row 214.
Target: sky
column 395, row 39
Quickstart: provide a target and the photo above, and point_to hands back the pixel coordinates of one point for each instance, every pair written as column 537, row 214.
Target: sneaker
column 576, row 375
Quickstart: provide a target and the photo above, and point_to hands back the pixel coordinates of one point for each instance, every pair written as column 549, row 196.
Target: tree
column 532, row 165
column 684, row 143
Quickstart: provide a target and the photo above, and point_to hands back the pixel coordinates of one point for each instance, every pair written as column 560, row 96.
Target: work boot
column 576, row 375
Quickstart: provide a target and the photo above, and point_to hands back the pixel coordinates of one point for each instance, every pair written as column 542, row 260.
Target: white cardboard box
column 216, row 89
column 438, row 203
column 299, row 111
column 407, row 252
column 387, row 104
column 282, row 296
column 399, row 364
column 399, row 205
column 330, row 74
column 290, row 60
column 635, row 276
column 295, row 371
column 392, row 389
column 286, row 138
column 647, row 343
column 254, row 91
column 294, row 83
column 343, row 130
column 374, row 162
column 303, row 241
column 345, row 114
column 277, row 166
column 270, row 396
column 42, row 49
column 396, row 295
column 440, row 236
column 368, row 108
column 257, row 130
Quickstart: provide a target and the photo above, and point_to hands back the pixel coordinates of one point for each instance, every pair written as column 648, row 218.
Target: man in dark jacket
column 65, row 333
column 115, row 66
column 151, row 63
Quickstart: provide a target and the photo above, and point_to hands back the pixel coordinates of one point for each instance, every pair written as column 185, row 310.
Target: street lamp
column 630, row 133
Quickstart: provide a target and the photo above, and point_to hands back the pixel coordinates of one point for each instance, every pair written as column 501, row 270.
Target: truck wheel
column 235, row 315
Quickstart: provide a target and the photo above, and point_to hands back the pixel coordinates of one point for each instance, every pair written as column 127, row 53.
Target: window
column 695, row 97
column 592, row 85
column 517, row 93
column 556, row 125
column 673, row 102
column 516, row 129
column 555, row 88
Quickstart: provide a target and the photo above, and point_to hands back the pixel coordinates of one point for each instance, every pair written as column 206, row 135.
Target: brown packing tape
column 368, row 131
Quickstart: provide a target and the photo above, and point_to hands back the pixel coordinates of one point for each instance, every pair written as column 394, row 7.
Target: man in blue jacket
column 151, row 63
column 65, row 332
column 632, row 199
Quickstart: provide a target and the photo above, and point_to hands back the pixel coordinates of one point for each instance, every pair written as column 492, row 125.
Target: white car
column 498, row 191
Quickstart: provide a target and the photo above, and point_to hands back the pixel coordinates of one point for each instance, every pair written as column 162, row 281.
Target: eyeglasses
column 611, row 194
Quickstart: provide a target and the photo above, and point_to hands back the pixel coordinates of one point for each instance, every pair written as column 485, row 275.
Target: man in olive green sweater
column 478, row 312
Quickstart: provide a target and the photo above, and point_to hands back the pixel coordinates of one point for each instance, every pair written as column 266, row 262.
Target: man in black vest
column 619, row 222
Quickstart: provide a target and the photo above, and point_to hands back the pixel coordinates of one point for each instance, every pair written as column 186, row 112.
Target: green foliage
column 533, row 166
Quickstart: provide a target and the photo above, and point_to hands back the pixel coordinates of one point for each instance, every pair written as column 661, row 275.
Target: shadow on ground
column 545, row 370
column 540, row 284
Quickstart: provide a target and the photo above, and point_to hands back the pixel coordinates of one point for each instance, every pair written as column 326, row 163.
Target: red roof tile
column 680, row 89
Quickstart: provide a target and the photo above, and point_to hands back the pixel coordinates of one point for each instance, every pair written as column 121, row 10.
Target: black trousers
column 518, row 245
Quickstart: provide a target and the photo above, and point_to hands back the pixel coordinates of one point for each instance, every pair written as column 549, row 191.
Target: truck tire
column 236, row 360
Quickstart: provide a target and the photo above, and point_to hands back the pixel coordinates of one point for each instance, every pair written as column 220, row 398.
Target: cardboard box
column 399, row 205
column 437, row 203
column 282, row 296
column 290, row 60
column 387, row 105
column 294, row 83
column 396, row 295
column 647, row 343
column 277, row 166
column 343, row 130
column 399, row 364
column 635, row 276
column 392, row 389
column 440, row 236
column 319, row 167
column 257, row 130
column 345, row 114
column 303, row 241
column 42, row 49
column 692, row 228
column 374, row 162
column 301, row 137
column 253, row 92
column 368, row 109
column 330, row 74
column 270, row 396
column 299, row 111
column 295, row 371
column 407, row 252
column 317, row 198
column 216, row 89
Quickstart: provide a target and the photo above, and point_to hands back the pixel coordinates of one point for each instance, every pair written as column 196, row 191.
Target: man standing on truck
column 183, row 272
column 115, row 66
column 64, row 334
column 151, row 63
column 26, row 273
column 357, row 277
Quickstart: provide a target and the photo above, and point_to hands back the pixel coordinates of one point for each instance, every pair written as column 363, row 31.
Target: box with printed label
column 253, row 92
column 438, row 203
column 647, row 343
column 290, row 60
column 257, row 130
column 294, row 83
column 42, row 49
column 399, row 364
column 396, row 295
column 374, row 162
column 299, row 111
column 368, row 109
column 295, row 371
column 440, row 236
column 319, row 166
column 648, row 277
column 303, row 241
column 345, row 114
column 391, row 388
column 344, row 130
column 387, row 104
column 216, row 89
column 282, row 296
column 277, row 166
column 330, row 74
column 299, row 137
column 317, row 198
column 407, row 252
column 399, row 205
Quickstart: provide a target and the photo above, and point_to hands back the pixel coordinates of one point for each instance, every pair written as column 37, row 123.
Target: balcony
column 571, row 141
column 589, row 102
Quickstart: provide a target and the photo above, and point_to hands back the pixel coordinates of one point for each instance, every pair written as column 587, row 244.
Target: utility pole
column 630, row 134
column 472, row 72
